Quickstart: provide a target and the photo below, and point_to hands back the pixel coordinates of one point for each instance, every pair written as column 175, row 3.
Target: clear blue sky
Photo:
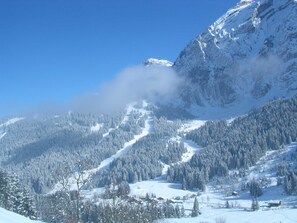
column 54, row 50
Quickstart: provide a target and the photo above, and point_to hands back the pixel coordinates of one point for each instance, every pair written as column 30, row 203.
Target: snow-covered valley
column 213, row 201
column 221, row 148
column 172, row 147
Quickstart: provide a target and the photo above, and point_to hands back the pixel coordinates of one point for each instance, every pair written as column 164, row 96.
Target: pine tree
column 183, row 212
column 255, row 204
column 4, row 190
column 195, row 211
column 178, row 211
column 28, row 205
column 227, row 204
column 288, row 186
column 15, row 198
column 255, row 188
column 294, row 184
column 279, row 181
column 184, row 184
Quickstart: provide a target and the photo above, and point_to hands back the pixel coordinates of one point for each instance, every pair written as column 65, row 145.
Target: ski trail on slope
column 190, row 146
column 8, row 123
column 2, row 135
column 129, row 109
column 96, row 127
column 105, row 163
column 11, row 121
column 191, row 149
column 148, row 128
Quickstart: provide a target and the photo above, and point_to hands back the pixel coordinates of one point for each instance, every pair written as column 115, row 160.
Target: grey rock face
column 250, row 53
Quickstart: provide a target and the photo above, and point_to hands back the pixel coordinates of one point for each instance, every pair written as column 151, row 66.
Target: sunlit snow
column 11, row 121
column 11, row 217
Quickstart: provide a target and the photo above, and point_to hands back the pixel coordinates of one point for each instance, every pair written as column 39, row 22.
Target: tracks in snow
column 148, row 128
column 105, row 163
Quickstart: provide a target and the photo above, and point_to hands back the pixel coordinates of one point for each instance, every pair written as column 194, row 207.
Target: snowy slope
column 96, row 127
column 105, row 163
column 212, row 203
column 2, row 134
column 11, row 121
column 246, row 58
column 145, row 131
column 8, row 123
column 129, row 109
column 10, row 217
column 236, row 216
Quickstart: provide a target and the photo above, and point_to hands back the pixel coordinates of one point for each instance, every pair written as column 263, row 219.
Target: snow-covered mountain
column 249, row 55
column 245, row 59
column 153, row 61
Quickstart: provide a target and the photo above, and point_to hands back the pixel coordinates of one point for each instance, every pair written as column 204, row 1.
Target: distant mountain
column 247, row 57
column 153, row 61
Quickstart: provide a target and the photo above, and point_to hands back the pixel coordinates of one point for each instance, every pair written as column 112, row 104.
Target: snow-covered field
column 212, row 204
column 159, row 187
column 10, row 217
column 96, row 127
column 239, row 216
column 191, row 125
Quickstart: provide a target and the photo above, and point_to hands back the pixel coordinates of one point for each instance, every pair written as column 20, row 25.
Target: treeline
column 290, row 183
column 15, row 197
column 114, row 205
column 145, row 159
column 171, row 113
column 61, row 207
column 237, row 145
column 37, row 149
column 123, row 212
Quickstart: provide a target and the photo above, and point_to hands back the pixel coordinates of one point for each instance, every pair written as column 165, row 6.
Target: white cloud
column 153, row 83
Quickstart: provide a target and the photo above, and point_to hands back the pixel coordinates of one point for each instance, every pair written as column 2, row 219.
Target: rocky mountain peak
column 153, row 61
column 248, row 54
